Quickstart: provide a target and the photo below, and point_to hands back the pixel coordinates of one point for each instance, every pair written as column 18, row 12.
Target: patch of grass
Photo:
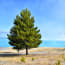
column 63, row 57
column 45, row 63
column 23, row 59
column 33, row 59
column 58, row 63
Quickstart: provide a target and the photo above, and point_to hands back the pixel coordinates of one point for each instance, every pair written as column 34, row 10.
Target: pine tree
column 24, row 34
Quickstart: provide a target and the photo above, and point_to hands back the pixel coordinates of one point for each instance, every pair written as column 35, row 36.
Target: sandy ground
column 41, row 55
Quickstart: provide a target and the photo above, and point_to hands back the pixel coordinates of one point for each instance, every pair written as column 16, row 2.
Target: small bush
column 63, row 57
column 33, row 59
column 23, row 59
column 58, row 63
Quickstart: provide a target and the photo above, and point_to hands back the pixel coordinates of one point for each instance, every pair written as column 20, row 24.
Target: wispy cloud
column 3, row 34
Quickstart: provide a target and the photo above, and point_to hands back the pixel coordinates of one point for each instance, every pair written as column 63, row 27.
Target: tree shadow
column 9, row 54
column 60, row 49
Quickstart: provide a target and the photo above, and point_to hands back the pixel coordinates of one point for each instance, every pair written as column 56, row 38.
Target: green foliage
column 63, row 57
column 24, row 34
column 33, row 59
column 58, row 63
column 23, row 59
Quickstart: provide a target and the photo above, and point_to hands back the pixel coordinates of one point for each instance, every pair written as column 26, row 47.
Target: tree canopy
column 24, row 34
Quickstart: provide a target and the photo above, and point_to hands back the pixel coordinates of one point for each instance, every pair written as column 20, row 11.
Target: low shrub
column 33, row 59
column 63, row 57
column 23, row 59
column 58, row 63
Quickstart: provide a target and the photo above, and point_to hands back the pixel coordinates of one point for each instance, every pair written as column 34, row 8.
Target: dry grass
column 50, row 58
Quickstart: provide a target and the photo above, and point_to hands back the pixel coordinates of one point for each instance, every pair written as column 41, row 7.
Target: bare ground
column 42, row 56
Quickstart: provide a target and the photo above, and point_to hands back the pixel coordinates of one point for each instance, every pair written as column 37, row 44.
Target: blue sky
column 49, row 16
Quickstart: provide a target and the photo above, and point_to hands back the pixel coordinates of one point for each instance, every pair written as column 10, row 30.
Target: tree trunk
column 26, row 51
column 18, row 51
